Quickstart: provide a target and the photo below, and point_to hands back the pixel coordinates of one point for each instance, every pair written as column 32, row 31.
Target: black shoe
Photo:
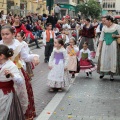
column 101, row 76
column 87, row 74
column 45, row 61
column 90, row 73
column 37, row 47
column 73, row 76
column 111, row 78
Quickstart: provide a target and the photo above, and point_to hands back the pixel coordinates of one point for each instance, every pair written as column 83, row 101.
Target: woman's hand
column 114, row 36
column 50, row 67
column 65, row 68
column 36, row 60
column 7, row 72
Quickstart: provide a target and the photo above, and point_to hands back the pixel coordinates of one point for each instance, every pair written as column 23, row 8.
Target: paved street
column 86, row 99
column 90, row 99
column 40, row 89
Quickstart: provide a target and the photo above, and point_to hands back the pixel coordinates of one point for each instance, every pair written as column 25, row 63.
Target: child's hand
column 36, row 60
column 7, row 72
column 50, row 67
column 65, row 68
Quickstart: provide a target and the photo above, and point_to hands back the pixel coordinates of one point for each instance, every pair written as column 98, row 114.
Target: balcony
column 62, row 1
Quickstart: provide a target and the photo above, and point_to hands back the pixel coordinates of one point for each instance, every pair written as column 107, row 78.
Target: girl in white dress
column 58, row 75
column 10, row 107
column 28, row 66
column 7, row 34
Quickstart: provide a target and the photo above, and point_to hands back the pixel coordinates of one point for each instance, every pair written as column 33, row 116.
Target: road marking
column 52, row 105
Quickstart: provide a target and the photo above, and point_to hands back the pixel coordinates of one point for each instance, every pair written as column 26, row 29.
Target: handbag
column 118, row 40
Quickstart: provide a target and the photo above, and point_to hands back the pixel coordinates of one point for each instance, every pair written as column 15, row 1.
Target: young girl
column 28, row 66
column 10, row 107
column 64, row 37
column 57, row 77
column 86, row 64
column 7, row 34
column 72, row 51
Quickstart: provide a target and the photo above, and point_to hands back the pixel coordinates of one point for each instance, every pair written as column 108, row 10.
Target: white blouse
column 9, row 65
column 111, row 29
column 44, row 36
column 23, row 53
column 84, row 51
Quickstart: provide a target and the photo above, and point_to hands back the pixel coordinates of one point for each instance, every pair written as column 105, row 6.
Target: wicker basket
column 118, row 40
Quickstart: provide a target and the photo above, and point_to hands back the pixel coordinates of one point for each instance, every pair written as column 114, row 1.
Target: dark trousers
column 35, row 40
column 48, row 50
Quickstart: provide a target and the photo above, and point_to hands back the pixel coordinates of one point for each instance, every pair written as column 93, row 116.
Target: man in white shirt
column 48, row 41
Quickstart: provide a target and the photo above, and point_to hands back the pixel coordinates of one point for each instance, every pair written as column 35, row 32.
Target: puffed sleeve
column 89, row 54
column 79, row 57
column 102, row 35
column 76, row 49
column 27, row 57
column 44, row 37
column 65, row 57
column 18, row 80
column 118, row 29
column 67, row 39
column 51, row 58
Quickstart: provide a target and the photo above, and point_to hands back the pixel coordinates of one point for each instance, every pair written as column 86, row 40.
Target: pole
column 50, row 5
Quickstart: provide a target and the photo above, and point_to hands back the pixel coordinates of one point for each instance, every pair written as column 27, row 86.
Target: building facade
column 67, row 7
column 22, row 7
column 111, row 7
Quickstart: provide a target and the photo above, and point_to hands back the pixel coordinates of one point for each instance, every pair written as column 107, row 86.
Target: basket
column 118, row 40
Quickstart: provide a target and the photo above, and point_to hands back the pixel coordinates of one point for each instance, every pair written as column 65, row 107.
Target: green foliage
column 90, row 8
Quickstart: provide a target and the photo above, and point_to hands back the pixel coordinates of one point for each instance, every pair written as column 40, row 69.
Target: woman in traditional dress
column 7, row 34
column 10, row 107
column 28, row 66
column 87, row 35
column 109, row 49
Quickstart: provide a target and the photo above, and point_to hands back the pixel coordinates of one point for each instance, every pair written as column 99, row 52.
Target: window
column 113, row 5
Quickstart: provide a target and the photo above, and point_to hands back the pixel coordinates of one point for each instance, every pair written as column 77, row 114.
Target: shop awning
column 68, row 6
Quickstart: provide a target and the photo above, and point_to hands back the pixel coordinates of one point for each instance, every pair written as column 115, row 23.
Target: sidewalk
column 86, row 99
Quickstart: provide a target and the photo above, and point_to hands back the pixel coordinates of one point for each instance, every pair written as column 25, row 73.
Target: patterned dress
column 57, row 77
column 85, row 61
column 72, row 58
column 20, row 52
column 10, row 107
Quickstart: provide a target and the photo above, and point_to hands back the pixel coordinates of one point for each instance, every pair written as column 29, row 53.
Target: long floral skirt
column 16, row 112
column 118, row 62
column 29, row 69
column 86, row 66
column 30, row 112
column 57, row 77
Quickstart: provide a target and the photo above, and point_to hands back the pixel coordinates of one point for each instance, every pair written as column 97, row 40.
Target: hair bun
column 10, row 53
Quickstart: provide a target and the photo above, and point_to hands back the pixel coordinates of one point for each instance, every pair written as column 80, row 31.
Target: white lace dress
column 57, row 77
